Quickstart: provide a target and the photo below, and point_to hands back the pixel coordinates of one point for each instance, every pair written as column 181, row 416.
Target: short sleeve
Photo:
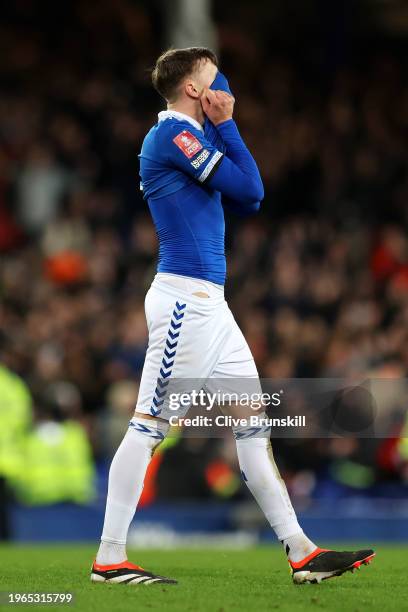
column 188, row 150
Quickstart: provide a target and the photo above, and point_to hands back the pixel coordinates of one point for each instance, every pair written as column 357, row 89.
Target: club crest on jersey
column 187, row 143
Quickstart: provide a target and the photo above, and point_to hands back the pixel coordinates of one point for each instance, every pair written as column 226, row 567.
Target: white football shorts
column 194, row 342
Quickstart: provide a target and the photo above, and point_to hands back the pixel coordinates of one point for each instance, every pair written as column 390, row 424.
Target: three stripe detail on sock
column 150, row 431
column 250, row 432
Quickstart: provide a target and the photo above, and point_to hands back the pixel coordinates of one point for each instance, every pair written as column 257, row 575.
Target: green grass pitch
column 209, row 580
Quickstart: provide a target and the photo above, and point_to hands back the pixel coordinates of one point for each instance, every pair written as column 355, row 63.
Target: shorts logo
column 189, row 144
column 167, row 363
column 196, row 163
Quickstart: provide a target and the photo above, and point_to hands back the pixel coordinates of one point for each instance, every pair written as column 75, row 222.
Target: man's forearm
column 238, row 176
column 236, row 148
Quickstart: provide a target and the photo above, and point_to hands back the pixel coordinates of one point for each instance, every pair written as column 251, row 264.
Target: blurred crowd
column 318, row 281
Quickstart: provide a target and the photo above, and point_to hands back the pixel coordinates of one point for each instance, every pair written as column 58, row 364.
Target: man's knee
column 151, row 431
column 148, row 417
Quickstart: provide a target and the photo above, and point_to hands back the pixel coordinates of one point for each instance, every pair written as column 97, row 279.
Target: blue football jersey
column 184, row 171
column 176, row 164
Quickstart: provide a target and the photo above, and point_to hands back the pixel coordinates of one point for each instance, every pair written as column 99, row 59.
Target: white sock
column 262, row 477
column 126, row 476
column 110, row 553
column 298, row 546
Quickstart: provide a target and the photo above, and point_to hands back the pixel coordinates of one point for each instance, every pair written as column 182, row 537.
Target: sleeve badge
column 187, row 143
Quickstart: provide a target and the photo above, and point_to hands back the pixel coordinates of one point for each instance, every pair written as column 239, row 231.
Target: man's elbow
column 254, row 194
column 260, row 193
column 252, row 208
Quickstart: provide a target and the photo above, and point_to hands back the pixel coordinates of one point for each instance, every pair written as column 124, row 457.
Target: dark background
column 318, row 280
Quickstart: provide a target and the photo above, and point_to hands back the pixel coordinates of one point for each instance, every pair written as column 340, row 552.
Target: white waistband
column 191, row 285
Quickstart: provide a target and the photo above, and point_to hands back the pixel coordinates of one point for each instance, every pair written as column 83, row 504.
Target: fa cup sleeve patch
column 187, row 143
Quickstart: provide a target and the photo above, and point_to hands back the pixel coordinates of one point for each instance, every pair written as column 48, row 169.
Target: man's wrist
column 223, row 122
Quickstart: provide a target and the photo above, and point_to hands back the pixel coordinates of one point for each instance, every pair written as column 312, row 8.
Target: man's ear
column 191, row 89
